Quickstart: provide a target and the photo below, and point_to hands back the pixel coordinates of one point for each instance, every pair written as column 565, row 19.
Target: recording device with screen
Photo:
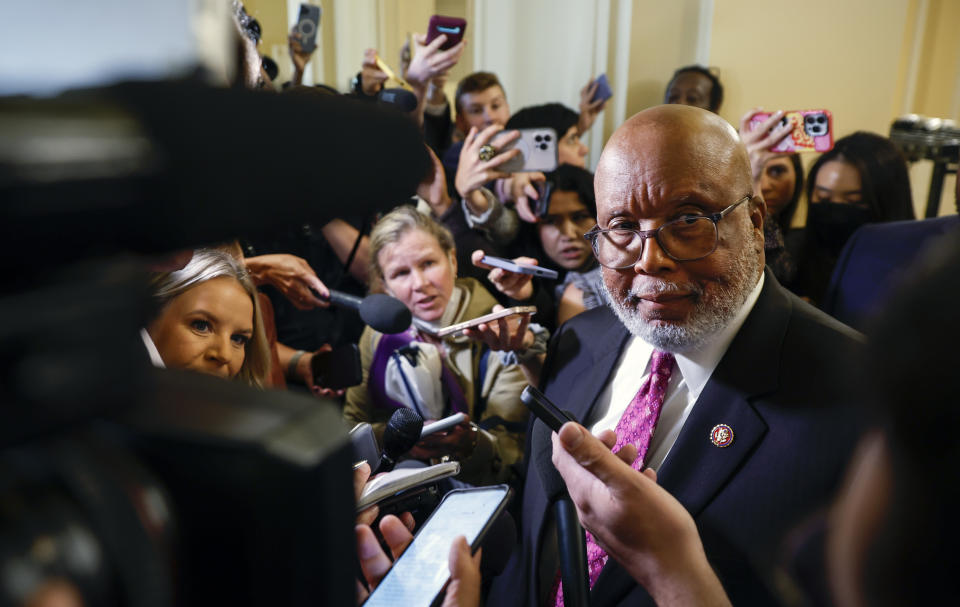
column 603, row 91
column 451, row 27
column 442, row 425
column 544, row 409
column 519, row 268
column 538, row 150
column 812, row 130
column 307, row 25
column 337, row 369
column 542, row 205
column 419, row 575
column 515, row 311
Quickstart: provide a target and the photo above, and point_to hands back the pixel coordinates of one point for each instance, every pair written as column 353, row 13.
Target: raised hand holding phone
column 515, row 285
column 475, row 169
column 505, row 334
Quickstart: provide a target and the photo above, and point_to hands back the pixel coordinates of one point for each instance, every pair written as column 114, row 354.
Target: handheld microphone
column 401, row 434
column 379, row 311
column 571, row 540
column 402, row 99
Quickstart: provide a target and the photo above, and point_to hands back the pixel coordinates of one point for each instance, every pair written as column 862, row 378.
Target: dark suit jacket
column 872, row 263
column 777, row 386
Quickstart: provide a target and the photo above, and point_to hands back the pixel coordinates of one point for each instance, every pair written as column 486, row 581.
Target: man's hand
column 473, row 173
column 371, row 76
column 292, row 275
column 514, row 285
column 760, row 140
column 298, row 55
column 429, row 62
column 521, row 189
column 433, row 189
column 660, row 549
column 589, row 110
column 463, row 590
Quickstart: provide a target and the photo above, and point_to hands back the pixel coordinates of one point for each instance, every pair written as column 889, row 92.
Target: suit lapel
column 696, row 470
column 589, row 379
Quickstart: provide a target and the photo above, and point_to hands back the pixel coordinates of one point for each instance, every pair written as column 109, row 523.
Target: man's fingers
column 587, row 451
column 373, row 561
column 608, row 438
column 395, row 534
column 368, row 516
column 501, row 159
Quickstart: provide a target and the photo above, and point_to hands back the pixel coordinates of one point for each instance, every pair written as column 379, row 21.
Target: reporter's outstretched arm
column 292, row 275
column 661, row 549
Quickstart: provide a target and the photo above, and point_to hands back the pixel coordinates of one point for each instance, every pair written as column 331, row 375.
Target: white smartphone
column 443, row 424
column 419, row 575
column 519, row 268
column 469, row 324
column 538, row 150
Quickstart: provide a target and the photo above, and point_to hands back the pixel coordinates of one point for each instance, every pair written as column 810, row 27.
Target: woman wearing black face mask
column 863, row 179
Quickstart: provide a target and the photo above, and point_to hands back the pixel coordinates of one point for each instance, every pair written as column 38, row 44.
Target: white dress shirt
column 690, row 375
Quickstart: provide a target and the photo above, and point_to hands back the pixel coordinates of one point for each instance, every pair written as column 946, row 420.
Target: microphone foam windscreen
column 402, row 99
column 385, row 314
column 402, row 432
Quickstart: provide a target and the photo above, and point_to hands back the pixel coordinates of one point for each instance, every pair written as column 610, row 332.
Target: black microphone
column 571, row 540
column 401, row 434
column 402, row 99
column 381, row 312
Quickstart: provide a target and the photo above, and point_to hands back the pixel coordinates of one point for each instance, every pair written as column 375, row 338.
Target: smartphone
column 812, row 130
column 444, row 424
column 469, row 324
column 519, row 268
column 337, row 369
column 542, row 204
column 417, row 578
column 452, row 27
column 603, row 91
column 538, row 150
column 307, row 25
column 546, row 411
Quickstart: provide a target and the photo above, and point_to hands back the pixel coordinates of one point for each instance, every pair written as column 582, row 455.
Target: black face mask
column 832, row 223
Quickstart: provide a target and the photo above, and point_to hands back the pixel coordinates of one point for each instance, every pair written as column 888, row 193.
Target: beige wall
column 867, row 61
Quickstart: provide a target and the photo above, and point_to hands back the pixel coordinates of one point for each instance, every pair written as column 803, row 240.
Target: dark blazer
column 778, row 386
column 872, row 263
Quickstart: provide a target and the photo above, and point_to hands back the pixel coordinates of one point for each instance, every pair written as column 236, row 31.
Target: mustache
column 655, row 287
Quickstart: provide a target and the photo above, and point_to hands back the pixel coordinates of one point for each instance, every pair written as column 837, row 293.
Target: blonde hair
column 207, row 264
column 392, row 227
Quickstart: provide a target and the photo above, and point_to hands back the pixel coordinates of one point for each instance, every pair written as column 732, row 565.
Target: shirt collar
column 697, row 366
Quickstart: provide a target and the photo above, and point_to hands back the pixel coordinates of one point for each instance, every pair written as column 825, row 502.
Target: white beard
column 712, row 312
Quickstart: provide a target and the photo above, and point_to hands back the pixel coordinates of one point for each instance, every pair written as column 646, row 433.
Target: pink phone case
column 812, row 130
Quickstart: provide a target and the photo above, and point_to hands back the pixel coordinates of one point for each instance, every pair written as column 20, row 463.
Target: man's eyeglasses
column 686, row 239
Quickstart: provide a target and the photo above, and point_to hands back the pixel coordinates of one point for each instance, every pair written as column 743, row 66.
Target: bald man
column 724, row 381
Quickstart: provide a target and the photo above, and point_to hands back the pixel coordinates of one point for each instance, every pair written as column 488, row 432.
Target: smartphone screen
column 420, row 573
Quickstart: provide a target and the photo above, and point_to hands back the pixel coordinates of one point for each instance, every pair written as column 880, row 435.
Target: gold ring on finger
column 487, row 152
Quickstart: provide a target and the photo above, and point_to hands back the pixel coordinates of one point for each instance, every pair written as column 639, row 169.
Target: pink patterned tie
column 635, row 426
